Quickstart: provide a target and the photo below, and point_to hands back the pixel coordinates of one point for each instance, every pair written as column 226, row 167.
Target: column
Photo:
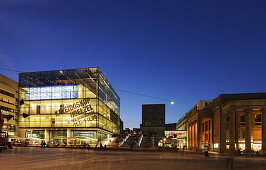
column 190, row 137
column 237, row 131
column 68, row 136
column 263, row 130
column 212, row 133
column 199, row 134
column 46, row 136
column 223, row 132
column 232, row 130
column 248, row 116
column 194, row 136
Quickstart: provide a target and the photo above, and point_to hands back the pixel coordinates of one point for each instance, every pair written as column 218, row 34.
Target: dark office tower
column 153, row 119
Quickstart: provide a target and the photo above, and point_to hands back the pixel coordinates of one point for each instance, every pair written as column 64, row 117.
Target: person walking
column 101, row 146
column 206, row 151
column 44, row 144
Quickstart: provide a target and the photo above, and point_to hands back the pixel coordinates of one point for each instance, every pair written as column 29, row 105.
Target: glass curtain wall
column 76, row 98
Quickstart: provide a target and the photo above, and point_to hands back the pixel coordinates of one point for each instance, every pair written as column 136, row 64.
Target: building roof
column 8, row 82
column 223, row 98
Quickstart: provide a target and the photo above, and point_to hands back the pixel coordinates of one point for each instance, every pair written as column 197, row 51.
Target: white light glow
column 53, row 92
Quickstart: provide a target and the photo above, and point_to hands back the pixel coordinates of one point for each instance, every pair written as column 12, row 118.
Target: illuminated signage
column 80, row 112
column 53, row 92
column 175, row 133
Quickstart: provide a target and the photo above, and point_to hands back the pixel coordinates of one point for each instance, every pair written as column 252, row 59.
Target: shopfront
column 175, row 139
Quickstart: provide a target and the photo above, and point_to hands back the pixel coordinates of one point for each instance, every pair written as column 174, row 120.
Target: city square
column 65, row 158
column 132, row 85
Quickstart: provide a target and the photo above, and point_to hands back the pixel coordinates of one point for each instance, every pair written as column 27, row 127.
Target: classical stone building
column 230, row 122
column 194, row 121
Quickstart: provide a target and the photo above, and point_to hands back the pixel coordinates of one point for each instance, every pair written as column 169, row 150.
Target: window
column 257, row 119
column 242, row 120
column 6, row 93
column 207, row 126
column 242, row 134
column 206, row 137
column 227, row 120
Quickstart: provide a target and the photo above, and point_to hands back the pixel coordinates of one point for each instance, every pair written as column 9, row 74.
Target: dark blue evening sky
column 181, row 50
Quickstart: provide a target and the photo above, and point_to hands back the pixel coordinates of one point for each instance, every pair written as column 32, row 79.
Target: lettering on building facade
column 80, row 112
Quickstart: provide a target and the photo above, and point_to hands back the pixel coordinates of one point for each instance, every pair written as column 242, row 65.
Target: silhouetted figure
column 43, row 144
column 105, row 147
column 9, row 145
column 101, row 146
column 26, row 143
column 206, row 151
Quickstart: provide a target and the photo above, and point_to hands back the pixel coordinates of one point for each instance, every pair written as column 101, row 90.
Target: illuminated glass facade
column 68, row 106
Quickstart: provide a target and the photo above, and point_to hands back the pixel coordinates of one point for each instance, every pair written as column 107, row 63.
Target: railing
column 139, row 141
column 123, row 141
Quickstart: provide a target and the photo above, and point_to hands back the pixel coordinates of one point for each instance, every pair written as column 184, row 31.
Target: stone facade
column 229, row 123
column 9, row 104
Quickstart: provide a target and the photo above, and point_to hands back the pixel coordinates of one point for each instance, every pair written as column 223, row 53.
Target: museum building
column 68, row 107
column 229, row 123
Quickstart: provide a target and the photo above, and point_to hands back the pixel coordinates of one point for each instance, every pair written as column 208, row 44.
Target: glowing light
column 53, row 92
column 172, row 102
column 216, row 145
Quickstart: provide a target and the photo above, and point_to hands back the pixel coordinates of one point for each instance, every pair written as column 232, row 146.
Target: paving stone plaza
column 64, row 158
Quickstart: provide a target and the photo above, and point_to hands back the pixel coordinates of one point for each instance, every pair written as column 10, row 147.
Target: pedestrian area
column 68, row 159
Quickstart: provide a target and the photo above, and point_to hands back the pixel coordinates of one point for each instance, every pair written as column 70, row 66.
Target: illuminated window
column 257, row 119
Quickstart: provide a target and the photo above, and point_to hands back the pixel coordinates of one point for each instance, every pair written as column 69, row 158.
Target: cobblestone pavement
column 68, row 159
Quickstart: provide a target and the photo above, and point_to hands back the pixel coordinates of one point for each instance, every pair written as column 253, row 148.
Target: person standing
column 101, row 146
column 44, row 144
column 206, row 151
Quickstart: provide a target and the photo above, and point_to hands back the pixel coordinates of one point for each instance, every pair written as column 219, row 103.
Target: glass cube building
column 68, row 107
